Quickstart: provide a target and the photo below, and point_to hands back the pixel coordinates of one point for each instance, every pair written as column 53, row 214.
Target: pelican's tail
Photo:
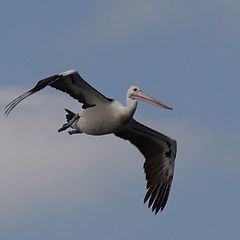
column 70, row 115
column 71, row 119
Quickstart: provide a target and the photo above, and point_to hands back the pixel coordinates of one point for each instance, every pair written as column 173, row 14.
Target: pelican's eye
column 135, row 89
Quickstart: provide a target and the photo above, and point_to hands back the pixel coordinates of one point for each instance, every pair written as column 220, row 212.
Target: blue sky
column 185, row 53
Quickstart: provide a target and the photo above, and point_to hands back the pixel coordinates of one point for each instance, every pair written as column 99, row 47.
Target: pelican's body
column 102, row 115
column 110, row 118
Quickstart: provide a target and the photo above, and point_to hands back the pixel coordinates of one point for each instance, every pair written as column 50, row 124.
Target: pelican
column 102, row 115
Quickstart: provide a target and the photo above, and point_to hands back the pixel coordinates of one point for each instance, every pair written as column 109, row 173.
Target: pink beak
column 140, row 95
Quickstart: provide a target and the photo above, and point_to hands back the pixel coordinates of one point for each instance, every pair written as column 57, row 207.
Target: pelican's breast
column 123, row 117
column 102, row 119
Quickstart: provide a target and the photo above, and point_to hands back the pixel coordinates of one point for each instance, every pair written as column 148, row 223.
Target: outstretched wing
column 69, row 82
column 160, row 153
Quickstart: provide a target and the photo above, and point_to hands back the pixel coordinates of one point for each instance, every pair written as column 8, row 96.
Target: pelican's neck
column 130, row 107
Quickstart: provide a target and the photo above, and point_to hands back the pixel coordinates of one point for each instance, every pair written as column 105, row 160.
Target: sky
column 185, row 53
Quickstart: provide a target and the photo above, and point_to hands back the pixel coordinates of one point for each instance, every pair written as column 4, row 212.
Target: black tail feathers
column 70, row 115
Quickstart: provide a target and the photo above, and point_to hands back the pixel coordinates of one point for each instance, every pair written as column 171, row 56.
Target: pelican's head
column 136, row 93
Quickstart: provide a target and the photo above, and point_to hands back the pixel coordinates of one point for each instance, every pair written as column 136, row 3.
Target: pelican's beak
column 140, row 95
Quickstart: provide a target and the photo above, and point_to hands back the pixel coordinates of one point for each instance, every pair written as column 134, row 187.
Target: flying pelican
column 102, row 115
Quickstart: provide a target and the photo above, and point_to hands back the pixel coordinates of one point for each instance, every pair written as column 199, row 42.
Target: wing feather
column 160, row 153
column 69, row 82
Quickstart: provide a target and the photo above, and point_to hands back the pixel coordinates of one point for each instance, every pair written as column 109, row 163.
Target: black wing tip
column 156, row 209
column 40, row 85
column 159, row 207
column 10, row 106
column 157, row 197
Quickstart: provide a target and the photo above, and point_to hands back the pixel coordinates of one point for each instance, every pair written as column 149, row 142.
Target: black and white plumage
column 69, row 82
column 102, row 115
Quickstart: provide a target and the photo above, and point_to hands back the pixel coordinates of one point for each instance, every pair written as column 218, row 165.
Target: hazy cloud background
column 186, row 53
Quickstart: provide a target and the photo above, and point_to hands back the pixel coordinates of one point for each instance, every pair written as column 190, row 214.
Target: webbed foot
column 74, row 132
